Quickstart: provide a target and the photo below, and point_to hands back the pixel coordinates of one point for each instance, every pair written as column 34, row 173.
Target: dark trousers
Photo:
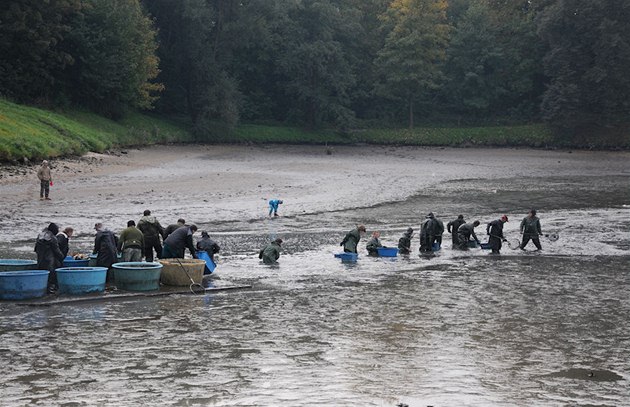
column 495, row 244
column 151, row 243
column 536, row 241
column 44, row 188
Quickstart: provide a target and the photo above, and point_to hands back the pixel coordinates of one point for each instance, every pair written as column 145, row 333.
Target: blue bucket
column 137, row 276
column 436, row 246
column 387, row 251
column 23, row 284
column 349, row 257
column 17, row 265
column 81, row 280
column 210, row 265
column 70, row 262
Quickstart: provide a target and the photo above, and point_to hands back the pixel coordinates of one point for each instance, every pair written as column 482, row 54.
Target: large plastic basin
column 173, row 271
column 347, row 257
column 137, row 276
column 23, row 284
column 81, row 280
column 17, row 264
column 387, row 251
column 70, row 262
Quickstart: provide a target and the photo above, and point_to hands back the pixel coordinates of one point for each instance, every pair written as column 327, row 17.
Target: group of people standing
column 432, row 229
column 134, row 243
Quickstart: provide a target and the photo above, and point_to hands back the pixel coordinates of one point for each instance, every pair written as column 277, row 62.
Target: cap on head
column 430, row 215
column 476, row 223
column 131, row 223
column 280, row 201
column 410, row 230
column 460, row 216
column 504, row 218
column 361, row 228
column 147, row 212
column 278, row 241
column 204, row 234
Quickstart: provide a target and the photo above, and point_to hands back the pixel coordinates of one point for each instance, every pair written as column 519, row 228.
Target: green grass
column 36, row 133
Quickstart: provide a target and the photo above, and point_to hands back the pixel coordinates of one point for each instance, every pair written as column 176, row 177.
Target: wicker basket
column 173, row 273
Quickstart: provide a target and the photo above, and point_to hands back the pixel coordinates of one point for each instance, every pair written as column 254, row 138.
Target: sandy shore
column 206, row 184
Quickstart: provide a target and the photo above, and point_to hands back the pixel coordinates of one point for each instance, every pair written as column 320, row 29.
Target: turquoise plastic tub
column 387, row 251
column 137, row 276
column 210, row 265
column 17, row 265
column 70, row 262
column 81, row 280
column 23, row 284
column 347, row 257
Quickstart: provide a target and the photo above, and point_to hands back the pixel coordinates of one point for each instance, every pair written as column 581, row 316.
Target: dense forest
column 325, row 63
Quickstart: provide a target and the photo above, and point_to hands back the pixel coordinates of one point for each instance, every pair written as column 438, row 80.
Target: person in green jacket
column 131, row 243
column 271, row 253
column 352, row 239
column 530, row 228
column 373, row 244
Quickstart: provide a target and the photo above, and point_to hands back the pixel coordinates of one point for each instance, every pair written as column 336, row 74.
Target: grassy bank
column 36, row 133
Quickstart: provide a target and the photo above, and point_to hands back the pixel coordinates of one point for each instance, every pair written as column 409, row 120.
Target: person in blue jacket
column 273, row 206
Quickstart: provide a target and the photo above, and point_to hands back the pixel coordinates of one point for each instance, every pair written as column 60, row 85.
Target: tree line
column 333, row 63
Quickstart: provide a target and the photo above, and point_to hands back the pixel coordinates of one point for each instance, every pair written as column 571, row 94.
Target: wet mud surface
column 458, row 328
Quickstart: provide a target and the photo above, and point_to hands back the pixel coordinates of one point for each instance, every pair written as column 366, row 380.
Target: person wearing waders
column 404, row 243
column 45, row 179
column 428, row 231
column 208, row 245
column 373, row 244
column 271, row 253
column 452, row 226
column 64, row 240
column 352, row 238
column 273, row 206
column 131, row 243
column 530, row 228
column 49, row 256
column 152, row 231
column 439, row 231
column 464, row 232
column 105, row 244
column 176, row 243
column 495, row 231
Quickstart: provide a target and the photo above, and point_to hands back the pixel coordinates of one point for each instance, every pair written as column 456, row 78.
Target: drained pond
column 529, row 328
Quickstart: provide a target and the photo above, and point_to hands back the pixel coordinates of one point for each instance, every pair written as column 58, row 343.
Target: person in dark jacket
column 152, row 231
column 271, row 253
column 105, row 244
column 131, row 243
column 177, row 242
column 373, row 244
column 439, row 231
column 352, row 238
column 530, row 228
column 63, row 238
column 464, row 232
column 171, row 228
column 452, row 226
column 495, row 231
column 404, row 243
column 49, row 256
column 428, row 233
column 208, row 245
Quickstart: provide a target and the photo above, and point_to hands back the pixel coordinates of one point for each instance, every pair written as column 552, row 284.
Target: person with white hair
column 45, row 180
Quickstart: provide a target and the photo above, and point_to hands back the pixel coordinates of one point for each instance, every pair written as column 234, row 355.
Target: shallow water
column 459, row 328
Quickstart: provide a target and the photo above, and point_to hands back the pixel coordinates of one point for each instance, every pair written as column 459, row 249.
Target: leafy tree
column 587, row 61
column 411, row 59
column 113, row 42
column 30, row 53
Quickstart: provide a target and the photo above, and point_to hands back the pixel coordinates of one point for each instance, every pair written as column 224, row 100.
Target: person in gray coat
column 530, row 228
column 352, row 238
column 271, row 253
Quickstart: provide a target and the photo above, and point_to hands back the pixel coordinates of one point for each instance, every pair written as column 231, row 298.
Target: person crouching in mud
column 404, row 243
column 373, row 244
column 464, row 232
column 495, row 231
column 271, row 253
column 352, row 239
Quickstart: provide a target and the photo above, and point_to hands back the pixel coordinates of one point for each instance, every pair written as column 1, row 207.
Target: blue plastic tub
column 70, row 262
column 137, row 276
column 387, row 251
column 436, row 247
column 17, row 265
column 486, row 246
column 349, row 257
column 210, row 265
column 81, row 280
column 23, row 284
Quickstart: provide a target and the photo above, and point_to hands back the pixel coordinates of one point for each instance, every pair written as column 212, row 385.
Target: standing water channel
column 527, row 328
